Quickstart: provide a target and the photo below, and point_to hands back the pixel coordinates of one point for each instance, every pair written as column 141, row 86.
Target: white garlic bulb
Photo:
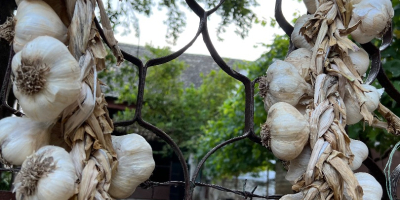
column 375, row 16
column 135, row 164
column 34, row 19
column 360, row 151
column 360, row 60
column 298, row 166
column 311, row 6
column 298, row 40
column 286, row 131
column 301, row 59
column 371, row 188
column 283, row 84
column 46, row 78
column 353, row 108
column 46, row 175
column 20, row 137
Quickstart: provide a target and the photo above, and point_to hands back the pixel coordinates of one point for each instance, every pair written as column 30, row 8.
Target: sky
column 233, row 46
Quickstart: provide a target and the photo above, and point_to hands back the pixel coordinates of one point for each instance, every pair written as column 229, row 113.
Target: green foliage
column 180, row 112
column 124, row 13
column 245, row 155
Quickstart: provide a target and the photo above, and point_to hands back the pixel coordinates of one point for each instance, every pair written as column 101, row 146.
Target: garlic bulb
column 46, row 78
column 298, row 166
column 311, row 6
column 360, row 59
column 46, row 175
column 135, row 164
column 375, row 16
column 371, row 188
column 36, row 18
column 298, row 40
column 286, row 131
column 283, row 83
column 301, row 59
column 20, row 137
column 353, row 108
column 360, row 151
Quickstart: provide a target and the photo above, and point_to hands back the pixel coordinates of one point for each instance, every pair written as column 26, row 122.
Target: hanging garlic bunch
column 36, row 18
column 20, row 137
column 375, row 16
column 286, row 131
column 135, row 164
column 353, row 110
column 360, row 60
column 283, row 83
column 298, row 40
column 46, row 175
column 360, row 151
column 46, row 78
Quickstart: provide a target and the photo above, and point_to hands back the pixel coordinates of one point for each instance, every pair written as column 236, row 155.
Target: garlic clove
column 48, row 174
column 360, row 151
column 301, row 59
column 353, row 109
column 375, row 16
column 46, row 78
column 298, row 165
column 360, row 59
column 17, row 132
column 135, row 164
column 34, row 19
column 286, row 131
column 298, row 40
column 283, row 83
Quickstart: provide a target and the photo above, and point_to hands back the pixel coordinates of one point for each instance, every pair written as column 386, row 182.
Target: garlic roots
column 135, row 164
column 34, row 19
column 286, row 131
column 46, row 175
column 20, row 137
column 46, row 78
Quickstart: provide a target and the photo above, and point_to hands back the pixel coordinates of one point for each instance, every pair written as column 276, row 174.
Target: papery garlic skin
column 46, row 175
column 301, row 59
column 34, row 19
column 286, row 131
column 371, row 188
column 20, row 137
column 135, row 164
column 375, row 16
column 283, row 83
column 46, row 78
column 298, row 166
column 298, row 40
column 311, row 5
column 360, row 60
column 296, row 196
column 353, row 109
column 360, row 151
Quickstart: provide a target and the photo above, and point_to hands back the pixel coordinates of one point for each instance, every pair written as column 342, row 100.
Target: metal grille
column 190, row 184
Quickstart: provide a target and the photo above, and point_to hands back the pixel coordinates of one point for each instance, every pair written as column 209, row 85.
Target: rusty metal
column 249, row 85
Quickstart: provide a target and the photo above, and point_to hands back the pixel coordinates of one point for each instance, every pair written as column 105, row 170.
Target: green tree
column 123, row 13
column 245, row 155
column 180, row 112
